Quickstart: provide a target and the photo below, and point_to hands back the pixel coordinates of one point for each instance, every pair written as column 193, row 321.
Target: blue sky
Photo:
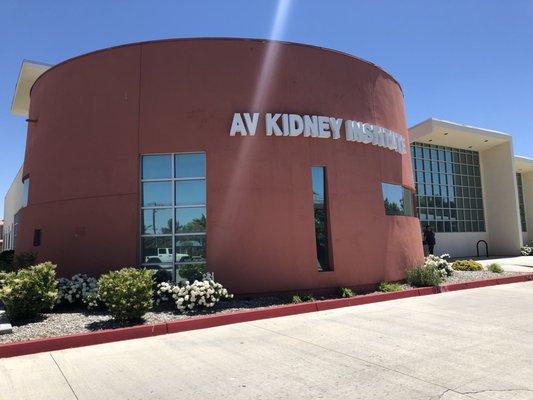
column 461, row 60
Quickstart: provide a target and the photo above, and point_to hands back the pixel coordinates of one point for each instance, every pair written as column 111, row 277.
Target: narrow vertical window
column 521, row 203
column 321, row 223
column 25, row 190
column 37, row 237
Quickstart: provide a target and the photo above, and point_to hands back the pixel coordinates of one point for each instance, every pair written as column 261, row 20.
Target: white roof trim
column 29, row 72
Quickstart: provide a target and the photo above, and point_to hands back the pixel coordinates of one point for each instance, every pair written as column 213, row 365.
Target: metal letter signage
column 318, row 126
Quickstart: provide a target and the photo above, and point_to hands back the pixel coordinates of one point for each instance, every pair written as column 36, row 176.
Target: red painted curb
column 333, row 303
column 80, row 339
column 209, row 321
column 514, row 279
column 483, row 283
column 427, row 290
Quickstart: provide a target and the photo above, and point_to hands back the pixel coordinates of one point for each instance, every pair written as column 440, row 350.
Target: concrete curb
column 209, row 321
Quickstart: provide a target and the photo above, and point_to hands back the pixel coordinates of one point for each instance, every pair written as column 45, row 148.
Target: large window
column 448, row 188
column 173, row 211
column 318, row 175
column 397, row 200
column 521, row 202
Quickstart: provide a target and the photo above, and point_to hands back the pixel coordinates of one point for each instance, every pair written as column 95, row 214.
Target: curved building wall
column 98, row 113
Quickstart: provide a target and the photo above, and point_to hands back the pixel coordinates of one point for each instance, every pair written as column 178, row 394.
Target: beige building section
column 12, row 204
column 524, row 166
column 500, row 197
column 29, row 72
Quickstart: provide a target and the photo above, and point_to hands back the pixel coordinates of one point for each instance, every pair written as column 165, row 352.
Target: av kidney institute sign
column 316, row 126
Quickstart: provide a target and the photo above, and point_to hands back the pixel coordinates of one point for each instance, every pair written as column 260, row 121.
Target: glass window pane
column 397, row 200
column 190, row 192
column 25, row 191
column 156, row 167
column 190, row 165
column 189, row 220
column 157, row 194
column 318, row 177
column 190, row 248
column 156, row 249
column 157, row 221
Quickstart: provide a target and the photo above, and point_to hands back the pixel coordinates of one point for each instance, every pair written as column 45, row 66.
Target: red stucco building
column 143, row 150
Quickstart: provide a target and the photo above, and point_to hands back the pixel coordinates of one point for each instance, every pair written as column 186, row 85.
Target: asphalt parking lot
column 470, row 344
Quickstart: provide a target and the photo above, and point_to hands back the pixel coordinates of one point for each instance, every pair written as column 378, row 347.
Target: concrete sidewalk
column 471, row 344
column 512, row 264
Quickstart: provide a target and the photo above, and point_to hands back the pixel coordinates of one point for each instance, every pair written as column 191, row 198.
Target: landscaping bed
column 69, row 320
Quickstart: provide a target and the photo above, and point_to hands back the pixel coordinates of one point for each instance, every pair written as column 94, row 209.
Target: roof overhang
column 29, row 72
column 450, row 134
column 523, row 164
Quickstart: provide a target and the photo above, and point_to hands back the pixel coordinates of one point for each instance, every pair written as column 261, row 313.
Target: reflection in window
column 190, row 165
column 521, row 202
column 190, row 248
column 318, row 175
column 190, row 192
column 173, row 214
column 25, row 190
column 156, row 221
column 157, row 194
column 156, row 249
column 190, row 220
column 397, row 200
column 448, row 188
column 157, row 167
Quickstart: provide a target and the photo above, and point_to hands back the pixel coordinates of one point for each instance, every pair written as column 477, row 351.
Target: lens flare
column 247, row 147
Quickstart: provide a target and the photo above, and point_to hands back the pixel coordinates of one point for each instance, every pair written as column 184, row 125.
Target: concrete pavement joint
column 352, row 356
column 495, row 391
column 64, row 377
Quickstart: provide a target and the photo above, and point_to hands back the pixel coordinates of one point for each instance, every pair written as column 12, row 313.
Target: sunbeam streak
column 261, row 94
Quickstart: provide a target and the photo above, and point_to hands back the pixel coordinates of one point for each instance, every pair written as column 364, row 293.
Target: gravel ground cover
column 64, row 321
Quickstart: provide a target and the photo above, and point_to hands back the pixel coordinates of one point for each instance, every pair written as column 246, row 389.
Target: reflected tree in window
column 320, row 213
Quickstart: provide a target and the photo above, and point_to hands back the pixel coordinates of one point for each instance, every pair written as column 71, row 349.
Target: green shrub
column 3, row 277
column 307, row 297
column 127, row 293
column 496, row 268
column 160, row 274
column 24, row 260
column 346, row 292
column 467, row 265
column 389, row 287
column 302, row 298
column 423, row 276
column 6, row 260
column 192, row 272
column 29, row 291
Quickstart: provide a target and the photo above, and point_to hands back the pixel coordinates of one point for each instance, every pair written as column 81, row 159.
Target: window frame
column 413, row 199
column 174, row 265
column 462, row 193
column 330, row 263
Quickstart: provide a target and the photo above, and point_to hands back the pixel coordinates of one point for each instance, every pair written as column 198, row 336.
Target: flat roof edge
column 146, row 42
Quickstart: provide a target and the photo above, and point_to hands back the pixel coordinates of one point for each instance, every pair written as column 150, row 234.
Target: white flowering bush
column 192, row 296
column 80, row 289
column 440, row 264
column 526, row 250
